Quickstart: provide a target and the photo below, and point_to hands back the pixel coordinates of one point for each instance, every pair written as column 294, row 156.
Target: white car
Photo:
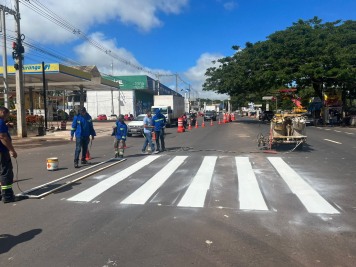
column 135, row 127
column 113, row 117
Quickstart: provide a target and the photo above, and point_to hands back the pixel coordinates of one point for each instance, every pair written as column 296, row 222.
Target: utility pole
column 20, row 94
column 4, row 57
column 157, row 83
column 112, row 91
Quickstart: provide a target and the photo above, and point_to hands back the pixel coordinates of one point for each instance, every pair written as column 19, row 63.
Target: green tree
column 307, row 54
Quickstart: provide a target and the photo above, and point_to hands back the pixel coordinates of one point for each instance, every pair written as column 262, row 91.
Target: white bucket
column 52, row 164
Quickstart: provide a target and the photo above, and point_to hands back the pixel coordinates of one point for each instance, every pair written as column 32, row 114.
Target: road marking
column 104, row 185
column 337, row 131
column 332, row 141
column 196, row 193
column 250, row 195
column 348, row 133
column 311, row 199
column 142, row 194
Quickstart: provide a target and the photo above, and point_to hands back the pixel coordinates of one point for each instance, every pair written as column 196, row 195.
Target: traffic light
column 17, row 51
column 14, row 50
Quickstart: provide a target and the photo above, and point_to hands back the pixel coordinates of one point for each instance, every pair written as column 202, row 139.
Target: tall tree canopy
column 307, row 54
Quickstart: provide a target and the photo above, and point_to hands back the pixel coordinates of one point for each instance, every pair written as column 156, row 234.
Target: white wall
column 100, row 102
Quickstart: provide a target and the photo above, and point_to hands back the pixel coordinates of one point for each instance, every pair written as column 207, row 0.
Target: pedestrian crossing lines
column 199, row 181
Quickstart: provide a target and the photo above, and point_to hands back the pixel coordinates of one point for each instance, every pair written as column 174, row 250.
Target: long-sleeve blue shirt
column 121, row 130
column 82, row 126
column 158, row 121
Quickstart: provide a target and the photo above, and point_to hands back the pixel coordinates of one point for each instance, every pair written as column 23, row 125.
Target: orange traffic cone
column 196, row 124
column 87, row 156
column 180, row 126
column 211, row 123
column 153, row 136
column 203, row 124
column 189, row 126
column 219, row 121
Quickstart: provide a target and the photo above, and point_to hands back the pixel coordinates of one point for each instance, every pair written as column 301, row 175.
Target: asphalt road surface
column 214, row 198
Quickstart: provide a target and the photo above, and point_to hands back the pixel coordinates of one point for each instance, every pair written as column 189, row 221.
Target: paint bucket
column 52, row 164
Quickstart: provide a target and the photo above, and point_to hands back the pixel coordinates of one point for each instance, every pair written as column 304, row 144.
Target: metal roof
column 60, row 77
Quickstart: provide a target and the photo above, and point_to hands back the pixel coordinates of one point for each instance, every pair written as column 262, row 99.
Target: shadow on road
column 7, row 242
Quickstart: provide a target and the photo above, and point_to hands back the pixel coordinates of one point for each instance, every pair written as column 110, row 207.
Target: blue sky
column 166, row 36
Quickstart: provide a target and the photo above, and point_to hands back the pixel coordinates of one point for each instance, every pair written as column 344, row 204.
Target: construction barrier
column 180, row 126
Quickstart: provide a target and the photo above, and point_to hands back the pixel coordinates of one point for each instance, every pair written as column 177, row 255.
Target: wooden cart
column 288, row 129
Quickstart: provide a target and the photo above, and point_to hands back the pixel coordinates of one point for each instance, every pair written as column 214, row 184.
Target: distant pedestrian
column 159, row 123
column 6, row 152
column 120, row 131
column 82, row 128
column 147, row 131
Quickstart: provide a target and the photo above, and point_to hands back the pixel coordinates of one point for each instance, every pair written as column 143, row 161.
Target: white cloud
column 197, row 76
column 83, row 14
column 127, row 64
column 230, row 5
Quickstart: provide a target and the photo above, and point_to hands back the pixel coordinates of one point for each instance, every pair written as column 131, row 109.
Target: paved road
column 212, row 199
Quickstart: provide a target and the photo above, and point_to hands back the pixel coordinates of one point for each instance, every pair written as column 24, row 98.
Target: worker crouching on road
column 159, row 123
column 6, row 151
column 83, row 128
column 120, row 132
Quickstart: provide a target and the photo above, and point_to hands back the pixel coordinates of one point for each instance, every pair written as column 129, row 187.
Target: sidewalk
column 101, row 129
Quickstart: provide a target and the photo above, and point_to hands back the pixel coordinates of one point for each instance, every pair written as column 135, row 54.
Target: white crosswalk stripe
column 195, row 195
column 250, row 195
column 198, row 183
column 312, row 201
column 141, row 195
column 101, row 187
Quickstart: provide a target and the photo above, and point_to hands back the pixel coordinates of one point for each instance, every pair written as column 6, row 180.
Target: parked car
column 135, row 127
column 113, row 117
column 128, row 117
column 309, row 120
column 101, row 117
column 266, row 115
column 210, row 115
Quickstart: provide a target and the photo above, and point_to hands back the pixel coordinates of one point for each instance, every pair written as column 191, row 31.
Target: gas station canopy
column 60, row 77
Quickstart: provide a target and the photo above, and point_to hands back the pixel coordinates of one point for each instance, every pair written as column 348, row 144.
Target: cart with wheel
column 288, row 129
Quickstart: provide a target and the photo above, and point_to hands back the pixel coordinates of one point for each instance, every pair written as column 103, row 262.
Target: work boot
column 84, row 161
column 8, row 199
column 8, row 196
column 76, row 164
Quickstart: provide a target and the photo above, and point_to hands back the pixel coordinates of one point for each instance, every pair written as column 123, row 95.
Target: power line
column 47, row 13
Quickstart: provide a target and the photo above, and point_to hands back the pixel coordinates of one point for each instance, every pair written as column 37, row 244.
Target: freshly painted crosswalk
column 250, row 195
column 311, row 200
column 198, row 183
column 104, row 185
column 141, row 195
column 195, row 195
